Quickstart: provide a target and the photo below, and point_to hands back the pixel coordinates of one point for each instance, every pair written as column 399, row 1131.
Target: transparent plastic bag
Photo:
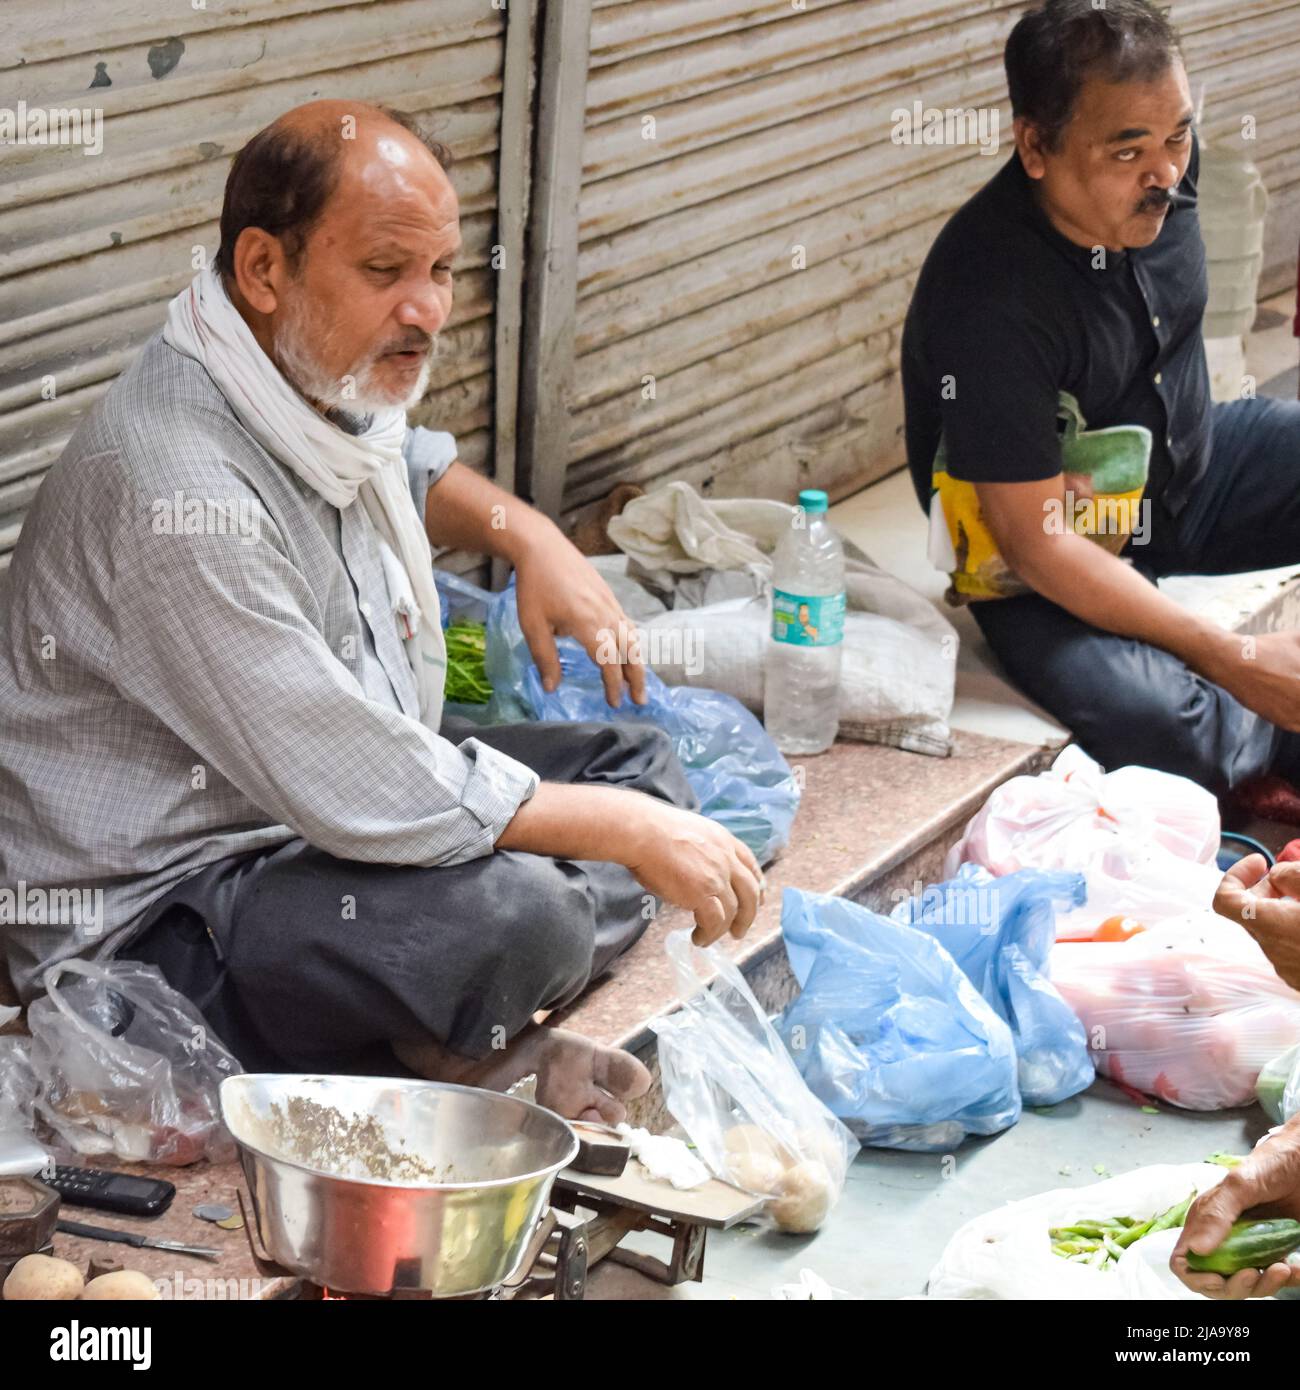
column 889, row 1032
column 127, row 1066
column 1000, row 932
column 461, row 601
column 1190, row 1011
column 1145, row 841
column 1278, row 1086
column 20, row 1154
column 18, row 1084
column 732, row 1086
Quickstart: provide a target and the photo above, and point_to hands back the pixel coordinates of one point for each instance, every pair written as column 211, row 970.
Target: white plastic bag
column 898, row 672
column 732, row 1086
column 1278, row 1086
column 1190, row 1011
column 1007, row 1253
column 1145, row 841
column 127, row 1066
column 891, row 684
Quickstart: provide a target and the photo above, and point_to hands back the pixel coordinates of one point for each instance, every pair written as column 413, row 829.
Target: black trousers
column 1128, row 702
column 303, row 962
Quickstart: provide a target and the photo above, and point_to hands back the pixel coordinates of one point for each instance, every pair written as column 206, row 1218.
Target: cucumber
column 1250, row 1245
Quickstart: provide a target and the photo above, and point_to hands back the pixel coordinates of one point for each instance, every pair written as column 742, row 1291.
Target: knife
column 80, row 1228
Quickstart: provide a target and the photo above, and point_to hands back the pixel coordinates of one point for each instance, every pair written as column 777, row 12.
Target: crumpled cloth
column 665, row 1158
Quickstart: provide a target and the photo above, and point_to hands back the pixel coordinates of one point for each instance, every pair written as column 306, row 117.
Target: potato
column 756, row 1172
column 122, row 1284
column 817, row 1143
column 751, row 1140
column 37, row 1277
column 803, row 1198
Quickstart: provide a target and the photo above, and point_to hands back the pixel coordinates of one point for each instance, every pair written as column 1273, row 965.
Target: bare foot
column 577, row 1078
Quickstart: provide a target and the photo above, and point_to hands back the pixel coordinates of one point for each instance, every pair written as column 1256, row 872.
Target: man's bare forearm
column 1093, row 584
column 1101, row 589
column 466, row 512
column 577, row 822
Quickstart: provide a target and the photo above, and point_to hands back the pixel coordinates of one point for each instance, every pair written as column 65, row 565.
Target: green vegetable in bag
column 467, row 682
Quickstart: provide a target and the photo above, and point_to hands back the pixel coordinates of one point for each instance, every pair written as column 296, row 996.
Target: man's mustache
column 1156, row 200
column 417, row 340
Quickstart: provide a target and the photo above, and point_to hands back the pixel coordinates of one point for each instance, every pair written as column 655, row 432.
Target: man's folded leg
column 1128, row 702
column 303, row 961
column 1244, row 514
column 621, row 753
column 319, row 963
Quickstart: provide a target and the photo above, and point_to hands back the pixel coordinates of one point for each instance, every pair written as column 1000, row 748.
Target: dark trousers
column 303, row 962
column 1127, row 702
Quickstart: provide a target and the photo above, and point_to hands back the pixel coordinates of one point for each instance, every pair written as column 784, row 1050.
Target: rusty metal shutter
column 91, row 248
column 718, row 138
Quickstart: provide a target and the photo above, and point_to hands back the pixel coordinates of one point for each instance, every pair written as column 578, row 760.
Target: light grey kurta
column 198, row 659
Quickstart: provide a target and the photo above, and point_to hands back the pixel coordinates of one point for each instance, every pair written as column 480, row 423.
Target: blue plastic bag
column 1000, row 932
column 734, row 768
column 889, row 1033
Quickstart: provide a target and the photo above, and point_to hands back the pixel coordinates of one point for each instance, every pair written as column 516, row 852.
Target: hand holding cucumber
column 1239, row 1259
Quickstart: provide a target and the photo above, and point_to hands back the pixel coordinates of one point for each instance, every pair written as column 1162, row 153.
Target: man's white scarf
column 341, row 467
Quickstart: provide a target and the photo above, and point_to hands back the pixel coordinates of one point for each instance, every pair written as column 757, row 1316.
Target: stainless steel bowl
column 371, row 1184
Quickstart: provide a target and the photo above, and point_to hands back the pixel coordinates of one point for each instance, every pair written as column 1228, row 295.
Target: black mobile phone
column 106, row 1191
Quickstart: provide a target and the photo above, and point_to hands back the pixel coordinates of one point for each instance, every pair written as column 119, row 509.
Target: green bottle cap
column 813, row 499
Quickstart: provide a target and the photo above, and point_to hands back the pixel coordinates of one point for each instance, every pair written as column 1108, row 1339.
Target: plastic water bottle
column 801, row 682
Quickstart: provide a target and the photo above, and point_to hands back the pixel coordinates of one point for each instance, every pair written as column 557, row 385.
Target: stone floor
column 899, row 1210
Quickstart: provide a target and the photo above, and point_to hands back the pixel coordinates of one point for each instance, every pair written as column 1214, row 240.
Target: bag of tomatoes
column 1187, row 1011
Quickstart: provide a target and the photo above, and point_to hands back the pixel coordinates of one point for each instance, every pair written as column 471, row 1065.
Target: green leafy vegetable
column 467, row 682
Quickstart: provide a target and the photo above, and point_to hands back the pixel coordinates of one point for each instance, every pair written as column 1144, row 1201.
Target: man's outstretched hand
column 687, row 859
column 1266, row 902
column 560, row 594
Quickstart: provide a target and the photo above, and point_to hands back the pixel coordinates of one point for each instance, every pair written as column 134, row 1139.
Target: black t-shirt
column 1008, row 312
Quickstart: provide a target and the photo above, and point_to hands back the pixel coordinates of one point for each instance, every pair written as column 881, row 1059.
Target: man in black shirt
column 1059, row 421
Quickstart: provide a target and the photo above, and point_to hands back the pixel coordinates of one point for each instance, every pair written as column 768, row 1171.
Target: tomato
column 1118, row 929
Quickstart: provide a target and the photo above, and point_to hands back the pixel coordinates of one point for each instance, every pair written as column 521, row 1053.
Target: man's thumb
column 1208, row 1225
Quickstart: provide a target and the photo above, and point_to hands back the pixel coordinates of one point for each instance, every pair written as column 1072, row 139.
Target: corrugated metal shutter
column 721, row 136
column 91, row 248
column 726, row 145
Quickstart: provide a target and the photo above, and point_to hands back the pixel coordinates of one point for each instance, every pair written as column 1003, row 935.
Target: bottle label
column 807, row 621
